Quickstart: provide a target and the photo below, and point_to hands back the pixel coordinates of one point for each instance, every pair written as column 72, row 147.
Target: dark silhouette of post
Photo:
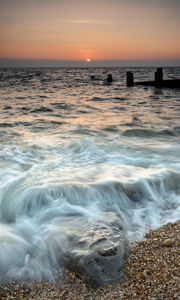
column 109, row 78
column 158, row 76
column 129, row 79
column 158, row 81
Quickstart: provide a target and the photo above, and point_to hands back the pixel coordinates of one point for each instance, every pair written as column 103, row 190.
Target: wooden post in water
column 109, row 78
column 129, row 79
column 158, row 75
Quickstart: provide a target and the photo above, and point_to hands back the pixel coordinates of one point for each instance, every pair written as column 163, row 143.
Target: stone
column 168, row 242
column 97, row 252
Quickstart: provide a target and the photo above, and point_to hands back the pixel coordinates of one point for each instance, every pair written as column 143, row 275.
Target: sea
column 75, row 150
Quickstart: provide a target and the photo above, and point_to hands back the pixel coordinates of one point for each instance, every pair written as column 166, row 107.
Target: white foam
column 73, row 183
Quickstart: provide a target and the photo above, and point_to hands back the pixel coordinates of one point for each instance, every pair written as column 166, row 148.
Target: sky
column 99, row 30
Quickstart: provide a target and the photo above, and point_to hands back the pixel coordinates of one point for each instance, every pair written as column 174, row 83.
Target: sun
column 88, row 59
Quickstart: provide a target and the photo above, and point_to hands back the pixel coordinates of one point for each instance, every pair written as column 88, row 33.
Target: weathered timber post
column 109, row 78
column 129, row 79
column 158, row 77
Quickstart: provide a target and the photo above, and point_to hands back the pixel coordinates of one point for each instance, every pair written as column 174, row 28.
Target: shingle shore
column 152, row 272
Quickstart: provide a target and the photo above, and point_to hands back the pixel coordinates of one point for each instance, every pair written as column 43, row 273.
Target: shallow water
column 74, row 150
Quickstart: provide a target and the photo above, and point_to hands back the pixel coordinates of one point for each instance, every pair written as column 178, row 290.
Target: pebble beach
column 151, row 272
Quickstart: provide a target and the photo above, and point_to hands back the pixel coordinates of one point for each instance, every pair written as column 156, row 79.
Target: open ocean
column 76, row 151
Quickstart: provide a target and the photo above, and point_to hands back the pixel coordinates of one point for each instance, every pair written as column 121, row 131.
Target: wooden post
column 129, row 79
column 109, row 78
column 158, row 77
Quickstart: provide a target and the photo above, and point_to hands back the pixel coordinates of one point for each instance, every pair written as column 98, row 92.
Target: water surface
column 74, row 150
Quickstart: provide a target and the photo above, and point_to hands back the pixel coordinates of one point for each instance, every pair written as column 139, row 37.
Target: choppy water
column 73, row 149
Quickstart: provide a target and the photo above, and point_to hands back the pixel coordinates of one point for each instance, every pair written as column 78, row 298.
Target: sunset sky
column 94, row 29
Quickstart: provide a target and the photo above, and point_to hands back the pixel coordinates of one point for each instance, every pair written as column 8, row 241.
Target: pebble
column 168, row 242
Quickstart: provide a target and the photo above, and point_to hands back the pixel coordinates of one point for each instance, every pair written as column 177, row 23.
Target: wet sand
column 151, row 272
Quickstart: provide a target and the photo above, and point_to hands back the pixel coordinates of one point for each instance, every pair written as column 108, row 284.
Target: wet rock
column 97, row 254
column 108, row 252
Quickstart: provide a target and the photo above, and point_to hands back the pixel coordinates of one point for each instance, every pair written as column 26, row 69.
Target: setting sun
column 88, row 60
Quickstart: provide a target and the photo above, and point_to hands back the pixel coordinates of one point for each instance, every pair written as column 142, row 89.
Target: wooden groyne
column 158, row 81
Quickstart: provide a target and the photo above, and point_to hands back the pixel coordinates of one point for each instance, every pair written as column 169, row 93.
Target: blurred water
column 71, row 148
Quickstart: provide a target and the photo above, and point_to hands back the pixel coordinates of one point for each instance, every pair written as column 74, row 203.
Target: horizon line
column 92, row 60
column 30, row 62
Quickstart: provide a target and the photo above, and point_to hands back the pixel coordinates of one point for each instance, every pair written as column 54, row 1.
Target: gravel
column 151, row 272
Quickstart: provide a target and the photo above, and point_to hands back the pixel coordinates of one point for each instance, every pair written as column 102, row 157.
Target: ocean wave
column 149, row 133
column 40, row 224
column 61, row 105
column 6, row 125
column 108, row 99
column 111, row 128
column 41, row 109
column 157, row 187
